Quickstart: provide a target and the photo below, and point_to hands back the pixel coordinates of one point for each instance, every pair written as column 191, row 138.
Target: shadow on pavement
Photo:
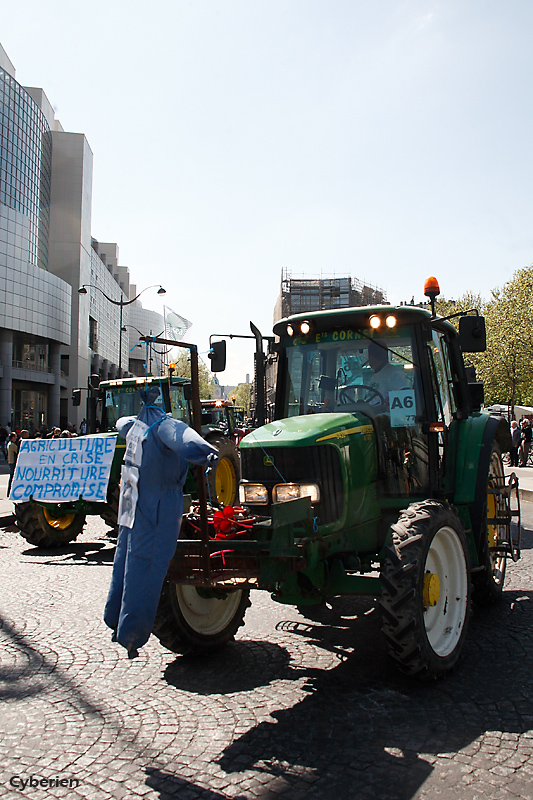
column 89, row 553
column 366, row 731
column 169, row 786
column 21, row 681
column 240, row 667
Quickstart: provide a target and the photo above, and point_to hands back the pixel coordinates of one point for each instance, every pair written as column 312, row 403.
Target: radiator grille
column 299, row 465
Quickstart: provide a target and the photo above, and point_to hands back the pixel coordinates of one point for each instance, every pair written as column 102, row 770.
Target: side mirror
column 472, row 334
column 217, row 356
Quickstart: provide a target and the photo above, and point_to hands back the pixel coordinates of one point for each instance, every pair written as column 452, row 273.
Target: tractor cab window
column 442, row 379
column 124, row 401
column 443, row 390
column 353, row 373
column 219, row 417
column 376, row 374
column 179, row 407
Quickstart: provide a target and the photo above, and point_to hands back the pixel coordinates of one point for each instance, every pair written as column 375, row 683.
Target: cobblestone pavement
column 297, row 707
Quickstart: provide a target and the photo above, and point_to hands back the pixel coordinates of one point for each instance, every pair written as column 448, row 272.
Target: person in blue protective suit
column 158, row 449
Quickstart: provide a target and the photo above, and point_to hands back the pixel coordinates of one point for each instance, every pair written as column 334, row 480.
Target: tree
column 242, row 396
column 466, row 302
column 205, row 379
column 506, row 368
column 507, row 365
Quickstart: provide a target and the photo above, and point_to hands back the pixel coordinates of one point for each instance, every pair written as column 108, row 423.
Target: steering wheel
column 345, row 394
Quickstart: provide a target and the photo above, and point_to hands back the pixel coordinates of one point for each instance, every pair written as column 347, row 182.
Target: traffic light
column 76, row 397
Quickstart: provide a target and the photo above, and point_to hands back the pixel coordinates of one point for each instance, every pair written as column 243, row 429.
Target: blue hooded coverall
column 145, row 550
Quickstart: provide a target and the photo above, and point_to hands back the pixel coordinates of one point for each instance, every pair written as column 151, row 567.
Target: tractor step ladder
column 508, row 545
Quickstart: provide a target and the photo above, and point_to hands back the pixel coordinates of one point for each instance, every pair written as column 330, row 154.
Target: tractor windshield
column 373, row 372
column 347, row 370
column 222, row 417
column 124, row 401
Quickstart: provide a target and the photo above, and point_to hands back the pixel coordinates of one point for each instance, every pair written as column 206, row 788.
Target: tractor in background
column 56, row 524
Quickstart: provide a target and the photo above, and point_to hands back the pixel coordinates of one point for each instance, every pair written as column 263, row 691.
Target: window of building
column 30, row 353
column 93, row 334
column 29, row 409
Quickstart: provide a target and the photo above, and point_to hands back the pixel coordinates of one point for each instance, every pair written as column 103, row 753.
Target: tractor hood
column 308, row 430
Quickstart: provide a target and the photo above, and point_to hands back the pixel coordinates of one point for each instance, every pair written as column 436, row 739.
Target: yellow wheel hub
column 59, row 523
column 431, row 591
column 492, row 530
column 226, row 482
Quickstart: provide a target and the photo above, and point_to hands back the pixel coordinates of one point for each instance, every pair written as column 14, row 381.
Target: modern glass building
column 34, row 304
column 52, row 339
column 26, row 164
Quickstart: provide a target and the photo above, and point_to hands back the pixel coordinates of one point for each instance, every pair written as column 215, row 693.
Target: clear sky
column 232, row 139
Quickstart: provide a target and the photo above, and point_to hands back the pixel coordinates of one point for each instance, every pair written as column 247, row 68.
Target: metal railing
column 33, row 367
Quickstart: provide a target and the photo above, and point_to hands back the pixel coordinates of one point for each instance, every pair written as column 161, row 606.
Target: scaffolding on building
column 302, row 293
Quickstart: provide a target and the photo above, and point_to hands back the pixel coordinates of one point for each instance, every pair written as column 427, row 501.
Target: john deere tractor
column 379, row 476
column 56, row 524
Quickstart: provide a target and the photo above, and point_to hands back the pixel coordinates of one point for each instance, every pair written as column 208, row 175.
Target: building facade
column 52, row 338
column 35, row 304
column 301, row 294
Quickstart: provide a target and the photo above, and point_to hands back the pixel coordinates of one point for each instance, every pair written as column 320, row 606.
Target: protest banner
column 63, row 470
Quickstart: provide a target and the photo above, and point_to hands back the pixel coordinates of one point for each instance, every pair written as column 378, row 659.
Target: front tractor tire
column 198, row 621
column 42, row 528
column 426, row 590
column 223, row 478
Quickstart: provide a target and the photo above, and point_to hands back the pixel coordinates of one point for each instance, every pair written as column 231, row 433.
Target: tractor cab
column 392, row 377
column 223, row 416
column 120, row 398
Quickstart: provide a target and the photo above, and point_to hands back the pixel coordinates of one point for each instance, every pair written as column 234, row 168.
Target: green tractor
column 56, row 524
column 379, row 475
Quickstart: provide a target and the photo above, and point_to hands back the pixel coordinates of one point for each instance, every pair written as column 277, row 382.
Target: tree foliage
column 506, row 368
column 205, row 379
column 507, row 364
column 242, row 396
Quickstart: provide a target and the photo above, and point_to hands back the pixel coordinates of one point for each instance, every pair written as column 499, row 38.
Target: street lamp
column 121, row 303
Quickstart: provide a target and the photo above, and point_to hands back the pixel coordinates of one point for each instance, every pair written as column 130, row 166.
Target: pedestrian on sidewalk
column 3, row 441
column 516, row 438
column 12, row 455
column 525, row 445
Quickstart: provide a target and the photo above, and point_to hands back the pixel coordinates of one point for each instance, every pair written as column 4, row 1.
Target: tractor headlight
column 288, row 491
column 253, row 493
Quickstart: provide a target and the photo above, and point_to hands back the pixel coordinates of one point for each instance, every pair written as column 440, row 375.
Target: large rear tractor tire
column 426, row 590
column 198, row 621
column 223, row 479
column 40, row 527
column 487, row 582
